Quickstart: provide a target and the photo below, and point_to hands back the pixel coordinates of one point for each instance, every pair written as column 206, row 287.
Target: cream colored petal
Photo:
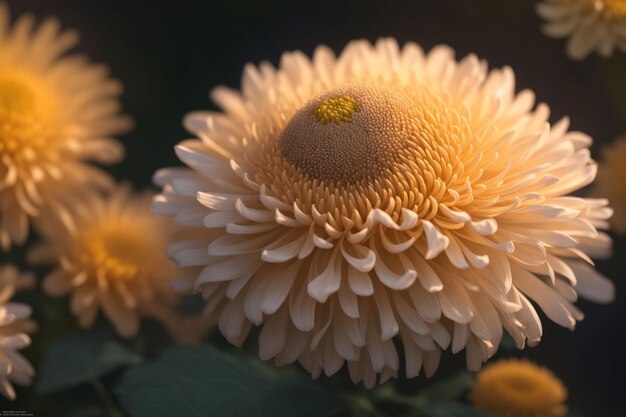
column 591, row 284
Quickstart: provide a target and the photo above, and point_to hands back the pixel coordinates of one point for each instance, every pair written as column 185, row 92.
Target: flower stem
column 107, row 399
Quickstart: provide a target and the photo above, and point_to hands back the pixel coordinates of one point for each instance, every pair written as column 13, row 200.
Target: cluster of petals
column 590, row 25
column 110, row 258
column 57, row 113
column 465, row 237
column 14, row 328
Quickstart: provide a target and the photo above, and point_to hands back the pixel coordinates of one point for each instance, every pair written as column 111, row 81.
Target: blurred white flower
column 590, row 25
column 14, row 328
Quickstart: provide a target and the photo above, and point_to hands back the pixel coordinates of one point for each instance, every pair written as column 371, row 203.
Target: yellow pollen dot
column 336, row 110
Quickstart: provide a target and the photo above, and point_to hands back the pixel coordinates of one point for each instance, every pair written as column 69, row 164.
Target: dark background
column 169, row 54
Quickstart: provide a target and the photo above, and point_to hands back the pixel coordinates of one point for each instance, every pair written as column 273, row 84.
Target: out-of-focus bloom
column 56, row 113
column 14, row 326
column 518, row 388
column 385, row 192
column 591, row 25
column 611, row 182
column 111, row 257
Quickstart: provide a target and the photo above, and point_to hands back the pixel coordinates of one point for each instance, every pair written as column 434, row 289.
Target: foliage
column 202, row 381
column 80, row 358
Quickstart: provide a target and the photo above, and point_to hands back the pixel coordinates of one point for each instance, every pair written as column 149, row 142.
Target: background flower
column 591, row 25
column 385, row 192
column 518, row 388
column 112, row 257
column 56, row 113
column 14, row 326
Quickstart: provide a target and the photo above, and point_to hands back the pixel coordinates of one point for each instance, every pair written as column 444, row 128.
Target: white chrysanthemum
column 591, row 25
column 349, row 200
column 111, row 257
column 610, row 182
column 14, row 326
column 56, row 113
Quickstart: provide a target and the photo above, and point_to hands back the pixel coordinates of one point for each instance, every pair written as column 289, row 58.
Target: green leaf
column 447, row 389
column 82, row 357
column 450, row 409
column 203, row 382
column 507, row 342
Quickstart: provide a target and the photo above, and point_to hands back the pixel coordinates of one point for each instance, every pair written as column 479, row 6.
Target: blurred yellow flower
column 386, row 192
column 14, row 326
column 611, row 182
column 56, row 113
column 591, row 25
column 518, row 388
column 112, row 257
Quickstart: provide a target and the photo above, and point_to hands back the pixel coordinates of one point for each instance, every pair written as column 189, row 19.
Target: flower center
column 15, row 95
column 349, row 134
column 115, row 252
column 519, row 384
column 25, row 108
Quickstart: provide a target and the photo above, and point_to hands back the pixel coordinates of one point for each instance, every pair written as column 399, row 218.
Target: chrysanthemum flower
column 112, row 258
column 518, row 388
column 349, row 200
column 591, row 25
column 14, row 326
column 56, row 113
column 610, row 182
